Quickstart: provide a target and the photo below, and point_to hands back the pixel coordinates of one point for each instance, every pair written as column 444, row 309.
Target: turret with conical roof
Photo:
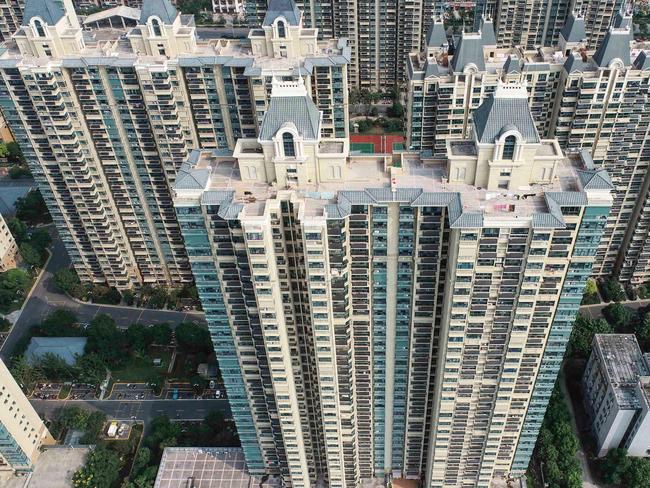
column 162, row 30
column 573, row 34
column 436, row 38
column 49, row 28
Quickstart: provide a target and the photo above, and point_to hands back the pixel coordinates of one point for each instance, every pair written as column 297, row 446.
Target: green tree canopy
column 66, row 280
column 193, row 338
column 160, row 334
column 582, row 335
column 31, row 255
column 32, row 209
column 101, row 470
column 106, row 340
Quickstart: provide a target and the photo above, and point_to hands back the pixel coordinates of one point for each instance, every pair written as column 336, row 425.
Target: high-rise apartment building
column 11, row 15
column 107, row 117
column 9, row 255
column 592, row 100
column 22, row 432
column 376, row 319
column 380, row 34
column 535, row 23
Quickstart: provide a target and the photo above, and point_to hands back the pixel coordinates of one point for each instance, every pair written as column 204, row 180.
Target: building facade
column 22, row 432
column 588, row 100
column 11, row 15
column 361, row 310
column 107, row 117
column 9, row 255
column 535, row 23
column 380, row 34
column 616, row 385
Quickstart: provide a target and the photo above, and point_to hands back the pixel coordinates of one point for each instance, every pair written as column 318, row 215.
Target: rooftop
column 624, row 364
column 372, row 180
column 67, row 348
column 202, row 467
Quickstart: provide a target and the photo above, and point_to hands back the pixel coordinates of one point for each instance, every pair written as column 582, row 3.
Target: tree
column 614, row 466
column 638, row 473
column 55, row 368
column 129, row 297
column 91, row 369
column 106, row 340
column 583, row 335
column 30, row 255
column 15, row 280
column 136, row 336
column 158, row 298
column 396, row 110
column 4, row 151
column 101, row 470
column 40, row 239
column 612, row 291
column 193, row 338
column 590, row 295
column 24, row 373
column 18, row 229
column 60, row 323
column 164, row 433
column 32, row 209
column 621, row 318
column 159, row 334
column 66, row 280
column 93, row 428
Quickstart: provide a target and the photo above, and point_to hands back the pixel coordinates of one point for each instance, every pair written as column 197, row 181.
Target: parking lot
column 132, row 391
column 47, row 391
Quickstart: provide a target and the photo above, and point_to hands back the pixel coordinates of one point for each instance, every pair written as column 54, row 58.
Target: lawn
column 141, row 369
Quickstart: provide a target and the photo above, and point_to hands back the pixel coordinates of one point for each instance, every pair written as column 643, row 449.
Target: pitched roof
column 299, row 110
column 282, row 8
column 487, row 32
column 622, row 19
column 436, row 35
column 595, row 180
column 502, row 111
column 574, row 29
column 67, row 348
column 468, row 50
column 642, row 61
column 615, row 45
column 160, row 8
column 513, row 64
column 574, row 63
column 51, row 11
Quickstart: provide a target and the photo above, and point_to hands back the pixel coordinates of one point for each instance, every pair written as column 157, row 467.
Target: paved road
column 596, row 310
column 143, row 410
column 45, row 298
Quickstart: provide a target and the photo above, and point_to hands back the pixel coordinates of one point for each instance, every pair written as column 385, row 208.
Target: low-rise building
column 616, row 386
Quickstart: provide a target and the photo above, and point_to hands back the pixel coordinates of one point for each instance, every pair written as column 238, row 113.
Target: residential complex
column 22, row 432
column 616, row 386
column 11, row 14
column 9, row 255
column 380, row 34
column 535, row 23
column 591, row 100
column 106, row 117
column 377, row 319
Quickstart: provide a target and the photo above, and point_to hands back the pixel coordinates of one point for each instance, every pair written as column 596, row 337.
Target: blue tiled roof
column 300, row 110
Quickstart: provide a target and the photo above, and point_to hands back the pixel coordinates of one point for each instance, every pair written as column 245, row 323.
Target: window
column 288, row 146
column 281, row 29
column 155, row 25
column 509, row 147
column 40, row 30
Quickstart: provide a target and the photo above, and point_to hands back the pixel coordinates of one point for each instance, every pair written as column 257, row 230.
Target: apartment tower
column 592, row 100
column 22, row 432
column 377, row 320
column 534, row 23
column 9, row 255
column 106, row 117
column 380, row 34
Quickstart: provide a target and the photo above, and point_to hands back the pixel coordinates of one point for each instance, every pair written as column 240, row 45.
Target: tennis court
column 364, row 147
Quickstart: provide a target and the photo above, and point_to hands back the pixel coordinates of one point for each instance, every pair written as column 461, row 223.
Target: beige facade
column 395, row 317
column 9, row 256
column 107, row 117
column 22, row 432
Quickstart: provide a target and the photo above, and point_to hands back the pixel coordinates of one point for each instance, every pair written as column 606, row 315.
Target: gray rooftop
column 574, row 62
column 436, row 35
column 160, row 8
column 468, row 50
column 67, row 348
column 206, row 467
column 513, row 64
column 642, row 61
column 51, row 11
column 615, row 45
column 282, row 8
column 496, row 115
column 487, row 32
column 574, row 29
column 299, row 110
